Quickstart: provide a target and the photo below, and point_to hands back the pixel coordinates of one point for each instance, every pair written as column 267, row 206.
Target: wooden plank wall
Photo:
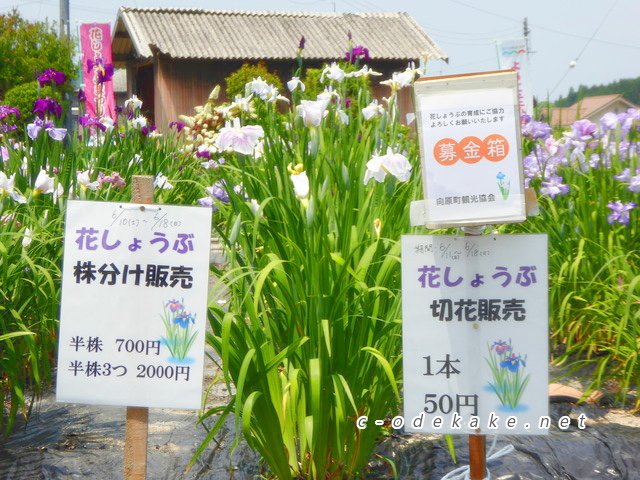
column 180, row 85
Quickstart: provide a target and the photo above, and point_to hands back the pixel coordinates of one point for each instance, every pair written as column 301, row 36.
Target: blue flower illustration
column 183, row 319
column 512, row 362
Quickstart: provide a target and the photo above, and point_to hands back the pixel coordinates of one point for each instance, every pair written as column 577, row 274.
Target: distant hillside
column 628, row 87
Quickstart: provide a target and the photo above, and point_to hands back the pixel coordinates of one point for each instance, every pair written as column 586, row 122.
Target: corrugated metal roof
column 210, row 34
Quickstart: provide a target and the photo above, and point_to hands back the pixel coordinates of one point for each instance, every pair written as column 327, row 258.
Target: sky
column 599, row 37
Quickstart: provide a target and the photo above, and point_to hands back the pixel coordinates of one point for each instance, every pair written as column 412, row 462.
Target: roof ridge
column 282, row 13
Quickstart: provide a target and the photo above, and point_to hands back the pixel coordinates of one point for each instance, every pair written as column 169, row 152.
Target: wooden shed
column 174, row 57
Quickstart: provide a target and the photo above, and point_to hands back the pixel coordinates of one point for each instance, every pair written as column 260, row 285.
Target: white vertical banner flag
column 512, row 55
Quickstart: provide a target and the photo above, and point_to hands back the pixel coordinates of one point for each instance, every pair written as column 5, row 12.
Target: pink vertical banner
column 97, row 67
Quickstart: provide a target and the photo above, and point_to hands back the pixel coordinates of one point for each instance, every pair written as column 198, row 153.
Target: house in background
column 590, row 108
column 174, row 57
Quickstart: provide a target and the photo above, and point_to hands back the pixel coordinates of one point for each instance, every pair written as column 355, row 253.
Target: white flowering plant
column 310, row 334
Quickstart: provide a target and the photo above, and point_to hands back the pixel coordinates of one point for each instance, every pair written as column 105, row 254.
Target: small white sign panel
column 134, row 305
column 475, row 334
column 469, row 131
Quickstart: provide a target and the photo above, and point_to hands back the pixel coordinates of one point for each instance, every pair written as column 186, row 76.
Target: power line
column 547, row 29
column 575, row 61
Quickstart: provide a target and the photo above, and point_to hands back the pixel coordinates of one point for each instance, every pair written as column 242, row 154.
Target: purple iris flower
column 147, row 130
column 215, row 191
column 620, row 211
column 7, row 128
column 218, row 190
column 33, row 130
column 623, row 176
column 609, row 121
column 91, row 122
column 6, row 110
column 114, row 179
column 203, row 154
column 179, row 125
column 51, row 77
column 104, row 70
column 47, row 105
column 634, row 182
column 554, row 187
column 512, row 362
column 583, row 130
column 357, row 53
column 82, row 97
column 302, row 42
column 535, row 130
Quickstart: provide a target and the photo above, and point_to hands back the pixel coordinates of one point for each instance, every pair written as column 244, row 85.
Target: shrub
column 28, row 48
column 238, row 79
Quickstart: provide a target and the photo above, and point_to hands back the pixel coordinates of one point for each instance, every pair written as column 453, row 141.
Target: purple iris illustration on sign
column 509, row 377
column 180, row 333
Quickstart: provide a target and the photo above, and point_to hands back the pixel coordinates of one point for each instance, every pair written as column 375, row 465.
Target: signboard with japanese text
column 475, row 334
column 134, row 305
column 513, row 55
column 469, row 132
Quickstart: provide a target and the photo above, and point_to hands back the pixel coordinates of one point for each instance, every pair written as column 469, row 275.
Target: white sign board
column 475, row 334
column 469, row 132
column 134, row 305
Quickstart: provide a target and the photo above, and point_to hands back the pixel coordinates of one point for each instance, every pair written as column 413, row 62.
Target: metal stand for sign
column 137, row 425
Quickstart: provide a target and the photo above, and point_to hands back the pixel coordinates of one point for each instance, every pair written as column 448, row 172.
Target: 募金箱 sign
column 469, row 132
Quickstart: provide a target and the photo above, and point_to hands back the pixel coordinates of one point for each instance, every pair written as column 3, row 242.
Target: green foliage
column 28, row 48
column 629, row 88
column 310, row 336
column 312, row 83
column 594, row 285
column 351, row 87
column 237, row 80
column 31, row 237
column 29, row 293
column 23, row 96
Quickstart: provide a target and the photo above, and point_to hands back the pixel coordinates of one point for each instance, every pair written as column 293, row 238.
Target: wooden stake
column 135, row 443
column 477, row 457
column 137, row 425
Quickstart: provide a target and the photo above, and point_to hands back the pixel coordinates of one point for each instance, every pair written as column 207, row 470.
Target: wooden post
column 137, row 425
column 477, row 457
column 135, row 443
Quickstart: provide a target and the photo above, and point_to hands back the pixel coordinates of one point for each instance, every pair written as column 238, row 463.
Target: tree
column 29, row 48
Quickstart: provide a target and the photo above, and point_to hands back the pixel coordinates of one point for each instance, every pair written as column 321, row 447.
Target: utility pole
column 526, row 36
column 65, row 32
column 65, row 35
